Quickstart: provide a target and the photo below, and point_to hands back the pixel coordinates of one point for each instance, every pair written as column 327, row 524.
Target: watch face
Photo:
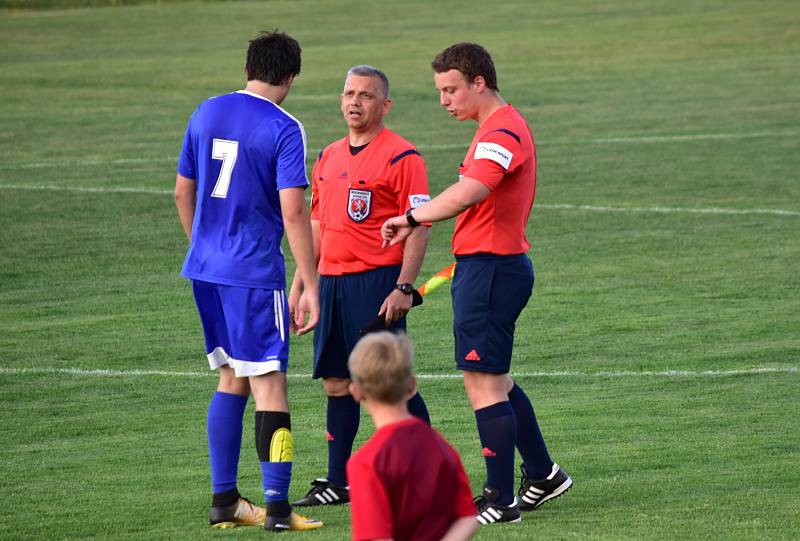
column 405, row 288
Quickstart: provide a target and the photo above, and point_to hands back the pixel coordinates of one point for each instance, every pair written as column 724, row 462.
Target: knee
column 485, row 389
column 336, row 386
column 229, row 383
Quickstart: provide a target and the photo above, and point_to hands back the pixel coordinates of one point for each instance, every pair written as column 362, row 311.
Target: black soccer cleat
column 489, row 511
column 242, row 512
column 533, row 494
column 292, row 522
column 278, row 524
column 323, row 492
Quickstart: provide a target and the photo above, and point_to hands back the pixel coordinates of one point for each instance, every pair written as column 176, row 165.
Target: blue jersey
column 241, row 149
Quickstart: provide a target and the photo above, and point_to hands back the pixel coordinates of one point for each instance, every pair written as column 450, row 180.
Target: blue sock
column 275, row 447
column 276, row 476
column 417, row 408
column 224, row 428
column 344, row 415
column 529, row 438
column 497, row 429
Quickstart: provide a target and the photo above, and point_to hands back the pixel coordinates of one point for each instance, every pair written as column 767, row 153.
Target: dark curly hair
column 273, row 57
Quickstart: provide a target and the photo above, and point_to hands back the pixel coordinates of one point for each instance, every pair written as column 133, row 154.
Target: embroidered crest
column 359, row 203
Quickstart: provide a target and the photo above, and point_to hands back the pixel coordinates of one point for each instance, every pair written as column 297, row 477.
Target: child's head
column 380, row 366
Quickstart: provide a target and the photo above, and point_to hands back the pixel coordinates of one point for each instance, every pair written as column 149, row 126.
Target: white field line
column 109, row 373
column 676, row 138
column 666, row 210
column 591, row 208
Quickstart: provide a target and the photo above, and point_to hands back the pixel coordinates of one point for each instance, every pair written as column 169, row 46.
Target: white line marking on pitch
column 593, row 208
column 676, row 138
column 712, row 210
column 109, row 373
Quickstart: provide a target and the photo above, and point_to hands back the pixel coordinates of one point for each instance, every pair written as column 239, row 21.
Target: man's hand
column 395, row 230
column 307, row 304
column 395, row 306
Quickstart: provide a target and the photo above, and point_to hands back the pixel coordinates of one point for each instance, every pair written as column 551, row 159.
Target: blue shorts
column 347, row 304
column 489, row 293
column 246, row 329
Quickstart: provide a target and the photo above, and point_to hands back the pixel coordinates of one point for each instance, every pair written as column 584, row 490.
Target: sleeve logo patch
column 494, row 152
column 418, row 199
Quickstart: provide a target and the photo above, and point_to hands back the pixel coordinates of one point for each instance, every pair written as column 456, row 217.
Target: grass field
column 662, row 344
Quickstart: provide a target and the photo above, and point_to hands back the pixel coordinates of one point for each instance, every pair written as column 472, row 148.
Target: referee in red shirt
column 358, row 182
column 494, row 277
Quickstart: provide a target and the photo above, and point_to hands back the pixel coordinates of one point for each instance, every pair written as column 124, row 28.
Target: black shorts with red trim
column 489, row 293
column 349, row 303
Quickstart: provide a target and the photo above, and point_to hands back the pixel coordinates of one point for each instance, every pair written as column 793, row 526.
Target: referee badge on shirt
column 359, row 203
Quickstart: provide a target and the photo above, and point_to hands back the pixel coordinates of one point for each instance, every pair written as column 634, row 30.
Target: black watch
column 410, row 218
column 405, row 288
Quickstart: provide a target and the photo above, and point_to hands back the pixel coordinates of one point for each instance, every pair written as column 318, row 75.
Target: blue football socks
column 275, row 446
column 224, row 428
column 344, row 415
column 417, row 408
column 529, row 438
column 497, row 429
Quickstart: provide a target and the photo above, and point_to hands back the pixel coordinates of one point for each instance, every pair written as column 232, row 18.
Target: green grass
column 635, row 105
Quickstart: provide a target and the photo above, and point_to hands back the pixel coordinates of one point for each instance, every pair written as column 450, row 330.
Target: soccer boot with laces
column 242, row 512
column 293, row 522
column 489, row 511
column 533, row 494
column 323, row 492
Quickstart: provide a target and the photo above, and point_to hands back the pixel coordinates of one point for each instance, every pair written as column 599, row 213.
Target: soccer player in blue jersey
column 240, row 184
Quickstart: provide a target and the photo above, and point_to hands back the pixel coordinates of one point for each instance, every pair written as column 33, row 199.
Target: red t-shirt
column 353, row 195
column 407, row 483
column 502, row 157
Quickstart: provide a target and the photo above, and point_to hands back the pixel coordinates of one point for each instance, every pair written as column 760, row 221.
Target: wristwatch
column 410, row 218
column 405, row 288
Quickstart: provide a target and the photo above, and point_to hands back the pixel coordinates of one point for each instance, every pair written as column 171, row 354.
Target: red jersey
column 502, row 157
column 396, row 484
column 353, row 195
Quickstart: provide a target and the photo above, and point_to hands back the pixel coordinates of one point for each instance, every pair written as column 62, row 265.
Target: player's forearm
column 297, row 280
column 185, row 200
column 462, row 529
column 297, row 224
column 413, row 254
column 453, row 201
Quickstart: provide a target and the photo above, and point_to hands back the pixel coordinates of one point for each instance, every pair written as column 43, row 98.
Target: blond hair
column 381, row 365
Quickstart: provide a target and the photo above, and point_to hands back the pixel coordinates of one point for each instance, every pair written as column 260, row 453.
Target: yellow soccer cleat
column 241, row 513
column 293, row 522
column 299, row 522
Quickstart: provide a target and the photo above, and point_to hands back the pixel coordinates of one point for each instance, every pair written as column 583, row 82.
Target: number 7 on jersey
column 224, row 150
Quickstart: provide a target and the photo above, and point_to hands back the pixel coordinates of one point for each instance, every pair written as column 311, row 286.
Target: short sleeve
column 186, row 161
column 291, row 157
column 370, row 512
column 494, row 157
column 410, row 180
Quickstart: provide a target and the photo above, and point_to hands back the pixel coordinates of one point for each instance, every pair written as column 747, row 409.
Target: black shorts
column 489, row 293
column 347, row 304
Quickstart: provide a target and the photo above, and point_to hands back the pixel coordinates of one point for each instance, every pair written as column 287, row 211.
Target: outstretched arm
column 453, row 201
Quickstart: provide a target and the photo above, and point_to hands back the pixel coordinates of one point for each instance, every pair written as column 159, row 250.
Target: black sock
column 224, row 499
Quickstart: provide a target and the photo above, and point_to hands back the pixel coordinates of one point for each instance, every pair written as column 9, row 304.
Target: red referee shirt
column 502, row 156
column 407, row 483
column 353, row 195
